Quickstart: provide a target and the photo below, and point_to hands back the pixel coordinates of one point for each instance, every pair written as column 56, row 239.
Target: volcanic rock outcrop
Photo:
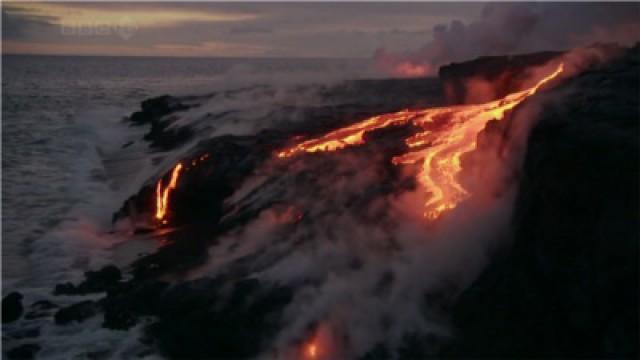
column 505, row 74
column 567, row 286
column 12, row 307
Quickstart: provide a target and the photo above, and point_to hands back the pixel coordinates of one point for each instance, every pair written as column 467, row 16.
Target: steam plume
column 517, row 28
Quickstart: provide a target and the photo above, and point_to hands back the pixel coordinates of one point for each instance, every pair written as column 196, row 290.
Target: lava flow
column 312, row 351
column 162, row 195
column 439, row 151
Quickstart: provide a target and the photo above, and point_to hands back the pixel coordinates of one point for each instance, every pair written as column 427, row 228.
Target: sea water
column 60, row 113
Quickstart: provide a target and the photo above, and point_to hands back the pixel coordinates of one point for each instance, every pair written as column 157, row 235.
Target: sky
column 334, row 30
column 413, row 38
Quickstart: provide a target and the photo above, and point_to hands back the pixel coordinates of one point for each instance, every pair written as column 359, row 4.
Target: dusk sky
column 224, row 29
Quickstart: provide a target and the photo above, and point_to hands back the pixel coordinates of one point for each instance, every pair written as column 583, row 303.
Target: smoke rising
column 346, row 231
column 366, row 268
column 517, row 28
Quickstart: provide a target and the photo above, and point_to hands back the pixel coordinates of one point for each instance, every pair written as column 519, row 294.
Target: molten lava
column 439, row 151
column 162, row 195
column 311, row 351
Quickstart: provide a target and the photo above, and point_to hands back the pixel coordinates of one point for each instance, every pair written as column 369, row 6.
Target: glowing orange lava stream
column 162, row 192
column 162, row 195
column 312, row 351
column 439, row 151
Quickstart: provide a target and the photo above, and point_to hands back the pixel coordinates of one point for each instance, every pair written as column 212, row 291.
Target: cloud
column 279, row 29
column 74, row 15
column 24, row 26
column 250, row 30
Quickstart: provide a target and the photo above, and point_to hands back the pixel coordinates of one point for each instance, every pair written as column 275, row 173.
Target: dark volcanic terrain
column 563, row 284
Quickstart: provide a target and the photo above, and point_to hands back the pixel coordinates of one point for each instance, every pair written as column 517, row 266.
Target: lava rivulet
column 351, row 135
column 311, row 351
column 439, row 150
column 162, row 195
column 162, row 192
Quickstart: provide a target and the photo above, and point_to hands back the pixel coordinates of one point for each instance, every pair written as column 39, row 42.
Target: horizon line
column 192, row 57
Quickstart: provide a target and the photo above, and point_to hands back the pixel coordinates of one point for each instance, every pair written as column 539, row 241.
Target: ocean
column 60, row 113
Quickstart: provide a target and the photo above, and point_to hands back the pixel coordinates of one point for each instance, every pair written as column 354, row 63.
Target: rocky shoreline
column 566, row 286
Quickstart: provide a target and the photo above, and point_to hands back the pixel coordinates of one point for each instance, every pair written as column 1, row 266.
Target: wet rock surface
column 12, row 307
column 40, row 309
column 154, row 113
column 24, row 351
column 155, row 108
column 77, row 312
column 95, row 282
column 23, row 333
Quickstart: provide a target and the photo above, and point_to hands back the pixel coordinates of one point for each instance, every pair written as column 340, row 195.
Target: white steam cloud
column 365, row 267
column 517, row 28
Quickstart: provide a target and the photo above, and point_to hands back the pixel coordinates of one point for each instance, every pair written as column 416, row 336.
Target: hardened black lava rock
column 124, row 305
column 210, row 319
column 40, row 309
column 159, row 114
column 12, row 307
column 505, row 73
column 23, row 352
column 77, row 312
column 568, row 284
column 95, row 282
column 155, row 108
